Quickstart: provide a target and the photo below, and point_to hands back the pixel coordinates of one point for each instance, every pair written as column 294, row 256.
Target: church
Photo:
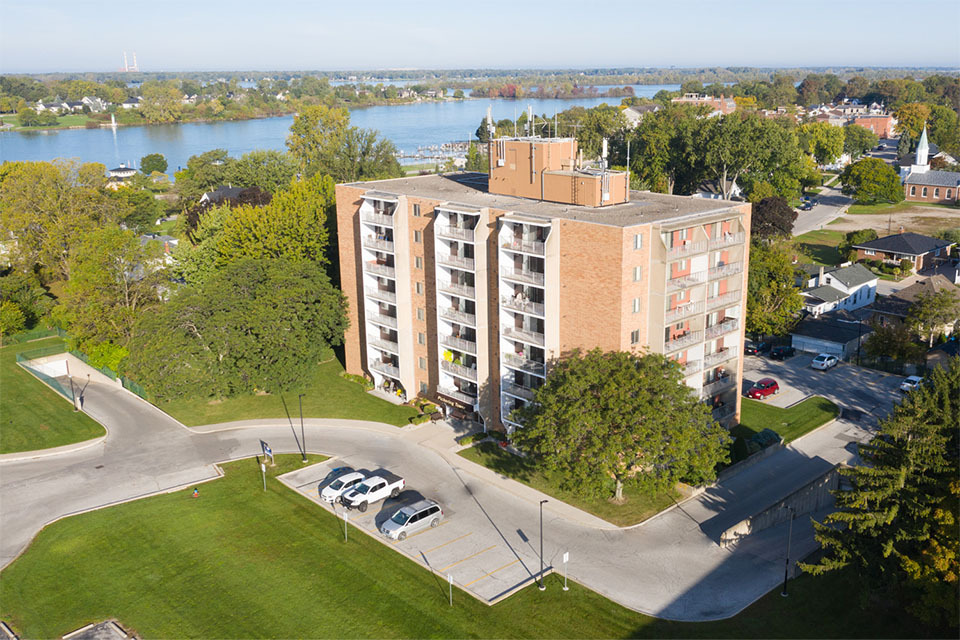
column 921, row 184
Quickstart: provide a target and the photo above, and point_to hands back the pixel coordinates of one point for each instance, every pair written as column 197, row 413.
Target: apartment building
column 463, row 288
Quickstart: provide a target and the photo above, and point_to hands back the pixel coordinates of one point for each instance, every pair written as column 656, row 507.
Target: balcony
column 379, row 294
column 457, row 394
column 691, row 367
column 458, row 262
column 459, row 233
column 469, row 373
column 386, row 345
column 687, row 281
column 717, row 386
column 525, row 246
column 461, row 317
column 688, row 249
column 724, row 412
column 684, row 341
column 516, row 390
column 523, row 306
column 380, row 269
column 718, row 357
column 728, row 240
column 726, row 270
column 458, row 289
column 522, row 363
column 725, row 300
column 524, row 335
column 379, row 318
column 683, row 311
column 377, row 218
column 376, row 243
column 522, row 275
column 459, row 344
column 385, row 368
column 718, row 330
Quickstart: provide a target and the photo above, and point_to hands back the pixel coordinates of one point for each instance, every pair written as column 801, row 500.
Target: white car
column 341, row 485
column 824, row 361
column 911, row 383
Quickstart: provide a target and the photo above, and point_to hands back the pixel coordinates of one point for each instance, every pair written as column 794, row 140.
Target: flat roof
column 471, row 188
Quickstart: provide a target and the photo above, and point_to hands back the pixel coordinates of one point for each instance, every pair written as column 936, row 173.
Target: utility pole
column 302, row 438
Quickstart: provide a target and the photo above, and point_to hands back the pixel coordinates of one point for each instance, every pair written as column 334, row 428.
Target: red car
column 763, row 388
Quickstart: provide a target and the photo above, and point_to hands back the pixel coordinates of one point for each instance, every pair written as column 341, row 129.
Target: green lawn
column 327, row 396
column 862, row 209
column 821, row 246
column 637, row 507
column 791, row 423
column 238, row 562
column 33, row 416
column 71, row 120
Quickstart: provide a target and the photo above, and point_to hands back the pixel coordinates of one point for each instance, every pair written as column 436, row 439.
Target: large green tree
column 773, row 299
column 663, row 153
column 871, row 180
column 161, row 101
column 153, row 162
column 267, row 169
column 204, row 172
column 931, row 312
column 772, row 217
column 609, row 419
column 858, row 140
column 911, row 119
column 822, row 140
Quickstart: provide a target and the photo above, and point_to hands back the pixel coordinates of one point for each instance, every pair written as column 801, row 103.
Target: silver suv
column 412, row 518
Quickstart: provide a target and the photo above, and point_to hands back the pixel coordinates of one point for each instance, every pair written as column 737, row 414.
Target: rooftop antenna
column 628, row 168
column 530, row 119
column 490, row 128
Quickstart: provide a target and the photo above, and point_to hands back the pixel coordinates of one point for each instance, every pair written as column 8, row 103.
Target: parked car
column 752, row 348
column 344, row 481
column 782, row 352
column 824, row 361
column 412, row 518
column 763, row 388
column 806, row 206
column 373, row 489
column 911, row 383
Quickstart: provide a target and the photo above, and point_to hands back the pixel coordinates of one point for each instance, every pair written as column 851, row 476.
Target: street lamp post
column 786, row 561
column 542, row 587
column 303, row 440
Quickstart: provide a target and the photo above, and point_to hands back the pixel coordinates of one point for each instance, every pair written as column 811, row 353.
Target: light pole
column 303, row 440
column 542, row 502
column 786, row 561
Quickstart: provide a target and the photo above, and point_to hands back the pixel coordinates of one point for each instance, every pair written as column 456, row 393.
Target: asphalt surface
column 831, row 204
column 671, row 566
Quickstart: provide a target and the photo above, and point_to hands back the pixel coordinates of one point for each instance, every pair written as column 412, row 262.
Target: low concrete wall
column 63, row 364
column 749, row 461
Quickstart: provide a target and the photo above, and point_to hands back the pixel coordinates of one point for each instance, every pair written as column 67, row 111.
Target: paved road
column 831, row 204
column 671, row 566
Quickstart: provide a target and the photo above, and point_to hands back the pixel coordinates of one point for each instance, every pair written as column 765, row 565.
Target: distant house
column 720, row 106
column 940, row 355
column 839, row 334
column 131, row 103
column 96, row 105
column 847, row 287
column 922, row 251
column 635, row 113
column 57, row 106
column 220, row 194
column 74, row 106
column 119, row 176
column 881, row 125
column 895, row 308
column 711, row 189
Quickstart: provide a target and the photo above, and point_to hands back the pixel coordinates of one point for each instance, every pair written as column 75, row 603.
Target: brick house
column 895, row 308
column 882, row 125
column 920, row 184
column 923, row 251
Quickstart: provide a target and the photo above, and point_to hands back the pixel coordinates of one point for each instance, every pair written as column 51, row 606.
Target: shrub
column 906, row 265
column 470, row 438
column 497, row 435
column 428, row 408
column 740, row 451
column 362, row 381
column 420, row 419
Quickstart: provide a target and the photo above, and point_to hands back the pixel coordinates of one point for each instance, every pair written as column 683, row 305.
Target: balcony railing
column 377, row 218
column 379, row 318
column 726, row 270
column 526, row 246
column 727, row 240
column 458, row 289
column 375, row 243
column 521, row 363
column 718, row 330
column 517, row 390
column 522, row 275
column 470, row 373
column 718, row 385
column 453, row 342
column 380, row 269
column 446, row 231
column 456, row 261
column 385, row 368
column 688, row 249
column 386, row 345
column 721, row 413
column 380, row 294
column 684, row 310
column 524, row 336
column 724, row 300
column 684, row 282
column 457, row 394
column 717, row 357
column 692, row 367
column 525, row 306
column 683, row 341
column 461, row 317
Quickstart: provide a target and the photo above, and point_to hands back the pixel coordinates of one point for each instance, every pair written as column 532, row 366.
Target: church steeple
column 923, row 149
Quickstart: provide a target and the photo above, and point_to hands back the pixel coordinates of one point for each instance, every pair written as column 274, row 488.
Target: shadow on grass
column 821, row 253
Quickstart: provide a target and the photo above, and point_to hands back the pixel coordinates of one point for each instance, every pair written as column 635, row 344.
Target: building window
column 949, row 193
column 869, row 252
column 636, row 305
column 417, row 236
column 681, row 265
column 936, row 192
column 913, row 191
column 683, row 235
column 423, row 363
column 635, row 336
column 420, row 314
column 421, row 337
column 923, row 193
column 638, row 241
column 420, row 288
column 637, row 274
column 416, row 211
column 418, row 262
column 423, row 387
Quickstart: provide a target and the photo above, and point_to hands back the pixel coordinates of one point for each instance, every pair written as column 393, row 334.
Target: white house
column 131, row 103
column 848, row 287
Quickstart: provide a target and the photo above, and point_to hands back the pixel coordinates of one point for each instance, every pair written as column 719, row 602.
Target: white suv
column 341, row 485
column 417, row 516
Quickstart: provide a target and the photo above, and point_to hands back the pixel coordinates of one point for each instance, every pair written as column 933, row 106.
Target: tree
column 930, row 312
column 256, row 325
column 871, row 180
column 161, row 102
column 897, row 521
column 23, row 288
column 894, row 340
column 11, row 318
column 142, row 210
column 773, row 299
column 268, row 170
column 196, row 260
column 27, row 117
column 945, row 129
column 772, row 217
column 203, row 173
column 911, row 118
column 854, row 238
column 663, row 152
column 624, row 417
column 822, row 140
column 858, row 140
column 153, row 162
column 476, row 160
column 458, row 94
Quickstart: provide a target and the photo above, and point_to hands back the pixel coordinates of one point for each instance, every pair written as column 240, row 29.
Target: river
column 409, row 126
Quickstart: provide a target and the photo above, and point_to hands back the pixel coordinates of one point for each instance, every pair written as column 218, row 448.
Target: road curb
column 17, row 456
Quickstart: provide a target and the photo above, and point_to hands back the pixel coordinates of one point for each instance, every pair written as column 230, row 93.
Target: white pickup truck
column 375, row 488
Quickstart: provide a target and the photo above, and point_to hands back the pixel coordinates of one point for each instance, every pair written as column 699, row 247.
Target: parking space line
column 509, row 564
column 448, row 541
column 467, row 558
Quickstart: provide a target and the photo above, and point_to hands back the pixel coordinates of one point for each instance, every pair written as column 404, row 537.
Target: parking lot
column 486, row 560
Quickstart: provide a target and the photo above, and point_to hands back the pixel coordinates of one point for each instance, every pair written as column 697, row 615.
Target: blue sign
column 266, row 449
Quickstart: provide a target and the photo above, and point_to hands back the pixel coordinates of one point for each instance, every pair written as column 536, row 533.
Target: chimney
column 820, row 277
column 901, row 229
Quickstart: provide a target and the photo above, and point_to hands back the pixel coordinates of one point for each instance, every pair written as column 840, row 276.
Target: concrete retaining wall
column 749, row 461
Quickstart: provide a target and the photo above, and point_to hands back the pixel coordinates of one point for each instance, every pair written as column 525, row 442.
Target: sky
column 38, row 36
